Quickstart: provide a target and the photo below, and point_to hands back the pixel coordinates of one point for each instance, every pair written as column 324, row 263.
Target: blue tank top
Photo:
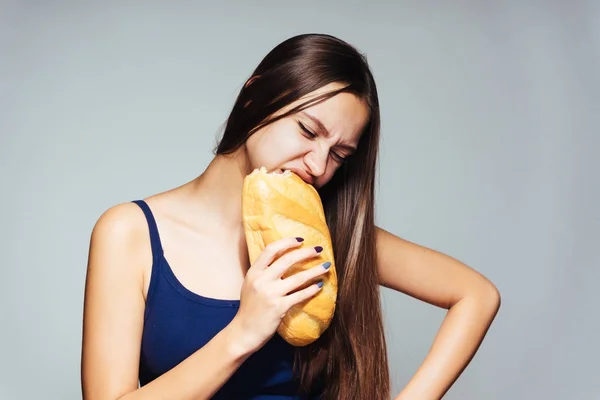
column 177, row 322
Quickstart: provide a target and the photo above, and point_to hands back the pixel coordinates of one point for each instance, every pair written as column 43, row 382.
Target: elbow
column 484, row 296
column 489, row 296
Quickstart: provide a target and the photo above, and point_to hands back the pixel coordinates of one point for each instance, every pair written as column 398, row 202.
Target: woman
column 172, row 301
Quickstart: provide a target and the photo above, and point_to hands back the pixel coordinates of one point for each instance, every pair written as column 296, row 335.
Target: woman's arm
column 113, row 322
column 472, row 300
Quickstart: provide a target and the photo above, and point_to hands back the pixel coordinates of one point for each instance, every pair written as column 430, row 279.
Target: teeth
column 277, row 171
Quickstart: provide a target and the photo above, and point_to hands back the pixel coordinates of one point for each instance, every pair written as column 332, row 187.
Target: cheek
column 272, row 146
column 283, row 142
column 257, row 148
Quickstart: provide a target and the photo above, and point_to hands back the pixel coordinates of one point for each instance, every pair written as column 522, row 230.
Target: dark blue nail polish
column 318, row 249
column 326, row 265
column 300, row 239
column 320, row 284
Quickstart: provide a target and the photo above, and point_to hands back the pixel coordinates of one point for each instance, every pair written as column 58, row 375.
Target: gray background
column 489, row 153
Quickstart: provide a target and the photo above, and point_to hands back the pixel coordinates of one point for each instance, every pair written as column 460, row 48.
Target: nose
column 316, row 161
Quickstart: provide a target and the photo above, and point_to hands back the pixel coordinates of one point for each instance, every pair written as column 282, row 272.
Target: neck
column 219, row 191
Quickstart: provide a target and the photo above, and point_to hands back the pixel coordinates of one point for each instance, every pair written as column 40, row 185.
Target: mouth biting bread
column 277, row 205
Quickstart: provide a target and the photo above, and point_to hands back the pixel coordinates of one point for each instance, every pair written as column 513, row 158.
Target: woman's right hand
column 266, row 297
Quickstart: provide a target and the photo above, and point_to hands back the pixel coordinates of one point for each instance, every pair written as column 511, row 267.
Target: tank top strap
column 157, row 250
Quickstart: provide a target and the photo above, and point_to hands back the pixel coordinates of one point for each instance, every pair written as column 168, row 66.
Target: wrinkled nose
column 316, row 161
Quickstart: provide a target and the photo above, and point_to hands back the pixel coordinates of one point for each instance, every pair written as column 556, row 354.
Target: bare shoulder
column 124, row 219
column 119, row 242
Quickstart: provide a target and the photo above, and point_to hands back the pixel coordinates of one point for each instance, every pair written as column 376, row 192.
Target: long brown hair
column 349, row 361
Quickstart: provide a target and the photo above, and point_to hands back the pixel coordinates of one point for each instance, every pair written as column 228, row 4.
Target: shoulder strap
column 154, row 236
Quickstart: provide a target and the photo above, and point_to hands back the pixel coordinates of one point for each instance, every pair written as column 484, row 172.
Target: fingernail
column 300, row 239
column 318, row 249
column 320, row 284
column 326, row 265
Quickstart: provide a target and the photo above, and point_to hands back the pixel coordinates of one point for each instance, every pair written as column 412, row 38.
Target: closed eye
column 339, row 158
column 306, row 130
column 309, row 133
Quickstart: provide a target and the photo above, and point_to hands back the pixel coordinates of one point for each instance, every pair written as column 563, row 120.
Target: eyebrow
column 324, row 130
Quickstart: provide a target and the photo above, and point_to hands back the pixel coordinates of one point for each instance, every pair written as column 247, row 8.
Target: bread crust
column 277, row 205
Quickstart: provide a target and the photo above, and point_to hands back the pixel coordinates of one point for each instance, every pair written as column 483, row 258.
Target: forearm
column 200, row 375
column 455, row 344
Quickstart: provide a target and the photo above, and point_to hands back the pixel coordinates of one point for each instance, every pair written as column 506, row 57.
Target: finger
column 301, row 295
column 274, row 250
column 292, row 283
column 283, row 263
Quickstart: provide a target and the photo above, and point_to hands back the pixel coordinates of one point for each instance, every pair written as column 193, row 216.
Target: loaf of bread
column 277, row 205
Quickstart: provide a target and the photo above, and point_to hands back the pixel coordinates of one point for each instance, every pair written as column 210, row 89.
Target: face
column 314, row 142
